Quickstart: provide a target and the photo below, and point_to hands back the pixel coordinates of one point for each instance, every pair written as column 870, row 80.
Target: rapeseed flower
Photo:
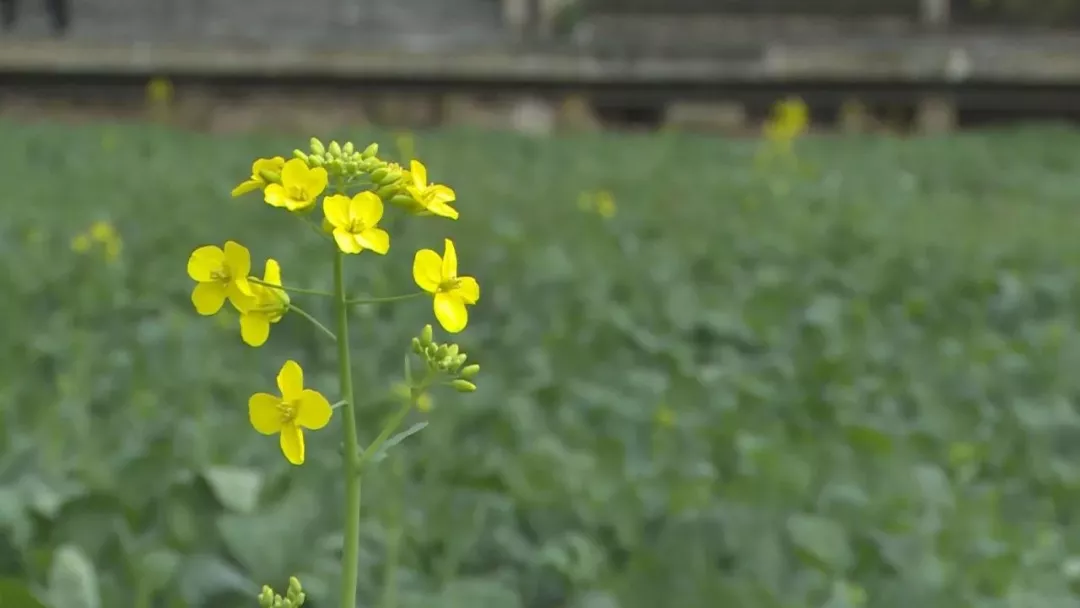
column 265, row 306
column 300, row 186
column 259, row 170
column 355, row 221
column 221, row 273
column 438, row 275
column 296, row 409
column 433, row 199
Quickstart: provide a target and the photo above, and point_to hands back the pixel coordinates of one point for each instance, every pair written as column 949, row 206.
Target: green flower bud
column 300, row 154
column 315, row 161
column 469, row 371
column 441, row 352
column 370, row 151
column 370, row 164
column 352, row 167
column 348, row 149
column 452, row 351
column 446, row 364
column 317, row 147
column 387, row 191
column 294, row 586
column 271, row 177
column 334, row 165
column 417, row 347
column 460, row 360
column 402, row 200
column 286, row 603
column 430, row 350
column 462, row 386
column 266, row 597
column 426, row 335
column 379, row 175
column 334, row 149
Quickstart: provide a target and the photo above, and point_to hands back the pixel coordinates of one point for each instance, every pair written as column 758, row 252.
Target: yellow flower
column 297, row 408
column 790, row 119
column 221, row 273
column 433, row 198
column 300, row 186
column 265, row 306
column 605, row 204
column 81, row 243
column 257, row 181
column 354, row 222
column 438, row 276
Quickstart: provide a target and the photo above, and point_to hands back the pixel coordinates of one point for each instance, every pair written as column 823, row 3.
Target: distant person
column 59, row 12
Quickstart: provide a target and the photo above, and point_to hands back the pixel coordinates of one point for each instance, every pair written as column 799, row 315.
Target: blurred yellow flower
column 265, row 306
column 424, row 402
column 220, row 273
column 790, row 119
column 355, row 222
column 605, row 204
column 438, row 275
column 159, row 91
column 296, row 409
column 102, row 233
column 300, row 186
column 433, row 198
column 260, row 169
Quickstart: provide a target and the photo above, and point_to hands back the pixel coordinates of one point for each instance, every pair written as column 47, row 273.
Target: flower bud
column 462, row 386
column 348, row 149
column 426, row 335
column 417, row 347
column 387, row 191
column 441, row 352
column 402, row 200
column 334, row 165
column 315, row 161
column 352, row 167
column 379, row 175
column 270, row 177
column 446, row 364
column 370, row 151
column 452, row 351
column 317, row 147
column 266, row 597
column 469, row 371
column 334, row 149
column 298, row 153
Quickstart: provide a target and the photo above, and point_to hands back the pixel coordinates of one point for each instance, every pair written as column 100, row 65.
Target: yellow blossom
column 257, row 181
column 300, row 186
column 790, row 119
column 297, row 408
column 265, row 306
column 438, row 276
column 432, row 198
column 355, row 221
column 81, row 243
column 221, row 273
column 605, row 204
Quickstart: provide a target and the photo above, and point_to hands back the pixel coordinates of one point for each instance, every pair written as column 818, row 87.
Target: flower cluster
column 353, row 189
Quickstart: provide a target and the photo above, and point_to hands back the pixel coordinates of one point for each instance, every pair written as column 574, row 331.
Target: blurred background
column 780, row 302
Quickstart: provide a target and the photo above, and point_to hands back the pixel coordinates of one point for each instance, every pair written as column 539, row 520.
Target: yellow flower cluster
column 353, row 189
column 100, row 233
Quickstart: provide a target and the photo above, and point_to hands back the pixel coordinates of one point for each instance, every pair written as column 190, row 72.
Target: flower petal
column 316, row 181
column 451, row 312
column 419, row 173
column 427, row 270
column 336, row 210
column 273, row 165
column 314, row 410
column 275, row 195
column 204, row 261
column 254, row 328
column 346, row 241
column 292, row 443
column 368, row 208
column 290, row 381
column 264, row 414
column 375, row 239
column 442, row 209
column 441, row 193
column 294, row 172
column 468, row 289
column 208, row 298
column 238, row 260
column 449, row 261
column 272, row 273
column 250, row 185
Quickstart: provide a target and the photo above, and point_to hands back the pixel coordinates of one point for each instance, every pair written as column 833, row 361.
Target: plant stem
column 324, row 329
column 394, row 533
column 350, row 559
column 385, row 298
column 388, row 430
column 291, row 289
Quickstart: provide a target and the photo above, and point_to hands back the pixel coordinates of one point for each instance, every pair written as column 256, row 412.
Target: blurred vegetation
column 844, row 382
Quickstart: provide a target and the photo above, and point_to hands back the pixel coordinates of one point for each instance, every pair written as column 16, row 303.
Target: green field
column 847, row 383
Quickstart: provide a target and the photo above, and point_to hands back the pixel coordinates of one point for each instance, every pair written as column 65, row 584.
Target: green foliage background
column 869, row 360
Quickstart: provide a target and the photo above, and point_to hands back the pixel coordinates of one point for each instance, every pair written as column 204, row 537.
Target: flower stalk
column 350, row 560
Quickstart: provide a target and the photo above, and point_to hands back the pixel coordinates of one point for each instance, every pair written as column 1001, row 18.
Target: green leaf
column 73, row 582
column 270, row 542
column 237, row 488
column 822, row 540
column 396, row 439
column 477, row 593
column 205, row 576
column 13, row 593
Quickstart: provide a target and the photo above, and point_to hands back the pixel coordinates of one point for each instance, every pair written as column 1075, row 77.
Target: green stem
column 350, row 559
column 394, row 534
column 324, row 329
column 388, row 430
column 385, row 299
column 290, row 289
